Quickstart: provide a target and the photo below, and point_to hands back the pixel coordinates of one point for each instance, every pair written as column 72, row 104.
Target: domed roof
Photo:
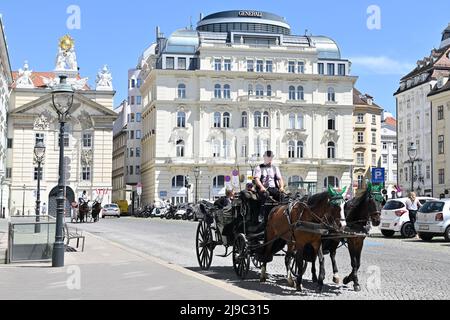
column 245, row 13
column 327, row 47
column 183, row 41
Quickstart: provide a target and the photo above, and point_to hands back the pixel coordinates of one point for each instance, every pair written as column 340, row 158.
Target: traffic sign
column 378, row 175
column 235, row 173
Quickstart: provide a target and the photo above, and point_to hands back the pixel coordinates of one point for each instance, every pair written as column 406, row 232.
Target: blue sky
column 117, row 32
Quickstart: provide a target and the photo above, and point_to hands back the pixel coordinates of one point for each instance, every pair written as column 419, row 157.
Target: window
column 133, row 83
column 244, row 151
column 360, row 158
column 385, row 159
column 132, row 100
column 374, row 119
column 266, row 119
column 269, row 66
column 139, row 83
column 300, row 122
column 331, row 150
column 181, row 119
column 217, row 91
column 321, row 68
column 138, row 117
column 181, row 63
column 385, row 146
column 227, row 91
column 66, row 140
column 138, row 152
column 8, row 173
column 86, row 174
column 360, row 118
column 217, row 120
column 395, row 159
column 178, row 182
column 244, row 120
column 138, row 170
column 331, row 123
column 300, row 149
column 10, row 143
column 227, row 65
column 330, row 69
column 87, row 140
column 331, row 182
column 441, row 113
column 259, row 90
column 291, row 149
column 226, row 148
column 291, row 68
column 131, row 117
column 138, row 100
column 37, row 173
column 341, row 69
column 250, row 90
column 360, row 182
column 300, row 93
column 250, row 66
column 226, row 120
column 441, row 148
column 131, row 132
column 170, row 63
column 428, row 173
column 219, row 182
column 374, row 138
column 408, row 124
column 131, row 150
column 441, row 176
column 374, row 160
column 331, row 95
column 180, row 149
column 39, row 138
column 260, row 66
column 291, row 93
column 301, row 67
column 181, row 91
column 360, row 137
column 292, row 121
column 138, row 134
column 218, row 64
column 394, row 146
column 258, row 119
column 216, row 147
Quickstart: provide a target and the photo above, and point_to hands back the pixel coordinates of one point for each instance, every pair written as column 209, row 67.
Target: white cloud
column 381, row 65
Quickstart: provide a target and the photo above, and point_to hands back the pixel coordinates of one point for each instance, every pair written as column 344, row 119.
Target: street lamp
column 188, row 186
column 39, row 153
column 412, row 153
column 62, row 98
column 253, row 162
column 197, row 173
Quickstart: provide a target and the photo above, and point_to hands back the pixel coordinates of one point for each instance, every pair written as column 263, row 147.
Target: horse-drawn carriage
column 86, row 212
column 234, row 228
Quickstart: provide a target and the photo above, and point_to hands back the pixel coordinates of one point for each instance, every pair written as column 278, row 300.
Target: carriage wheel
column 258, row 264
column 241, row 258
column 294, row 267
column 204, row 246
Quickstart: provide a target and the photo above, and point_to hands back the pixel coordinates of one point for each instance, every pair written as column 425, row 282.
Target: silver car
column 111, row 210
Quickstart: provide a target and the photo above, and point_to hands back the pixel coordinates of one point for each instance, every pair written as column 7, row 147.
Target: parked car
column 111, row 210
column 433, row 220
column 395, row 217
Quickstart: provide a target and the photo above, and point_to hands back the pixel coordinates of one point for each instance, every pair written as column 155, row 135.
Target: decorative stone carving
column 104, row 79
column 330, row 135
column 87, row 156
column 85, row 120
column 179, row 134
column 295, row 135
column 24, row 79
column 66, row 60
column 41, row 123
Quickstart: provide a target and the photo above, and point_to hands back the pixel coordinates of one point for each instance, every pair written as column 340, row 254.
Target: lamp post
column 62, row 98
column 253, row 162
column 39, row 153
column 412, row 153
column 188, row 186
column 197, row 173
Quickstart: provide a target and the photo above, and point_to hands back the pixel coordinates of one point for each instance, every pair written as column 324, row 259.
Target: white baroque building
column 414, row 118
column 5, row 83
column 237, row 86
column 389, row 156
column 88, row 136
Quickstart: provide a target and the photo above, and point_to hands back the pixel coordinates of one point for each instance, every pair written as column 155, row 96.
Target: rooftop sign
column 255, row 14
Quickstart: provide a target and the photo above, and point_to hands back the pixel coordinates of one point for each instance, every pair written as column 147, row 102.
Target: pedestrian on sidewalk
column 413, row 205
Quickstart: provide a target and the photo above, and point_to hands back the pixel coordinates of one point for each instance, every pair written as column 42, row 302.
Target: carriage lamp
column 39, row 154
column 62, row 98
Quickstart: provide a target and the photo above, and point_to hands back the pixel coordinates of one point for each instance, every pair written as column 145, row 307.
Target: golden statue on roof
column 66, row 43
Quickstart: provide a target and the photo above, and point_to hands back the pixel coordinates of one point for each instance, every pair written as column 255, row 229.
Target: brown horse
column 304, row 246
column 83, row 210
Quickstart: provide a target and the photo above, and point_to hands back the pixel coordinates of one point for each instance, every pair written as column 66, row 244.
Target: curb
column 246, row 294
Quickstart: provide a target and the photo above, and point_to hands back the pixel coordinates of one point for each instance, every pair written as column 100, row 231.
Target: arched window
column 244, row 120
column 178, row 182
column 292, row 121
column 227, row 91
column 219, row 182
column 331, row 95
column 331, row 122
column 216, row 147
column 331, row 181
column 269, row 90
column 226, row 120
column 258, row 119
column 181, row 91
column 300, row 122
column 250, row 90
column 259, row 90
column 226, row 149
column 300, row 149
column 300, row 93
column 266, row 120
column 331, row 150
column 217, row 119
column 180, row 149
column 181, row 119
column 291, row 93
column 291, row 149
column 217, row 91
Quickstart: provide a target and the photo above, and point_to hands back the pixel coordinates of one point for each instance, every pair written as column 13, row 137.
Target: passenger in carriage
column 226, row 201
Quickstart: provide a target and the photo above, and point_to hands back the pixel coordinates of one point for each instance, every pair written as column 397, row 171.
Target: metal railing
column 30, row 241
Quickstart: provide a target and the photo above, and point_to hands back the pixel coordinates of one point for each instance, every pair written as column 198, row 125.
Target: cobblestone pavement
column 392, row 269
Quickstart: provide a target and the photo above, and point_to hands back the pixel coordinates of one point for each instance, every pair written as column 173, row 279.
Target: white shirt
column 268, row 173
column 410, row 205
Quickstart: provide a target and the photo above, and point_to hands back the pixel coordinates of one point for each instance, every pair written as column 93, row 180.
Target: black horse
column 83, row 210
column 96, row 208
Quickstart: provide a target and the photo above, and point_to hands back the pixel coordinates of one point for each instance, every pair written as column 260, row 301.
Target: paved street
column 408, row 269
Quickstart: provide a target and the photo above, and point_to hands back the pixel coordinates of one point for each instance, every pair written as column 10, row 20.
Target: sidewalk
column 109, row 271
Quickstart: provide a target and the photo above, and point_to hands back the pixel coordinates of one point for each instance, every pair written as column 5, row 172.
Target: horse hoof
column 336, row 280
column 320, row 289
column 346, row 280
column 262, row 280
column 299, row 288
column 315, row 280
column 357, row 288
column 291, row 283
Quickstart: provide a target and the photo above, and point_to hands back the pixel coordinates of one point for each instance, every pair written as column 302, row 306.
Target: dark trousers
column 263, row 196
column 413, row 218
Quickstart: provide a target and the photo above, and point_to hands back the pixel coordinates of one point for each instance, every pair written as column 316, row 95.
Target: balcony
column 254, row 97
